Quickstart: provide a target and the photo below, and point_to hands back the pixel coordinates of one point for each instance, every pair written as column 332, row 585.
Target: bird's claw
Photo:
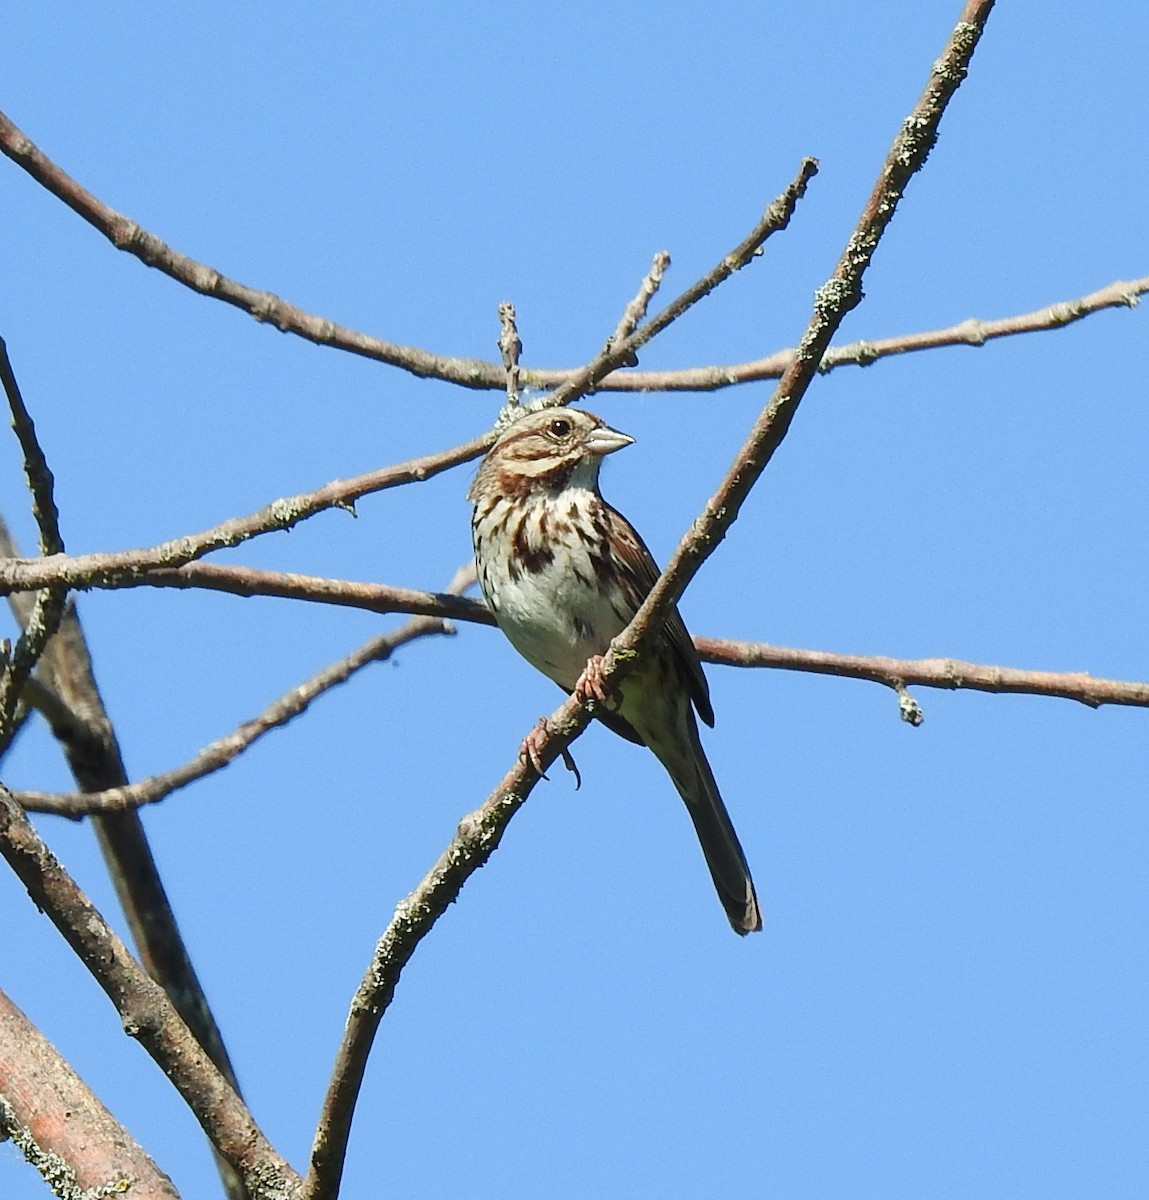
column 531, row 749
column 592, row 686
column 531, row 752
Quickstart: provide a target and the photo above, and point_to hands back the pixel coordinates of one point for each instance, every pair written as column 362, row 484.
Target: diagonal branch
column 841, row 293
column 48, row 609
column 476, row 839
column 119, row 567
column 619, row 351
column 479, row 833
column 126, row 235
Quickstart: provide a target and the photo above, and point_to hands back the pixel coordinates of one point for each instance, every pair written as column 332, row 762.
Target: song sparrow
column 564, row 573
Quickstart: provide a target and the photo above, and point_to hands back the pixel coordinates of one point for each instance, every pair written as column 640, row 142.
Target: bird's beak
column 605, row 440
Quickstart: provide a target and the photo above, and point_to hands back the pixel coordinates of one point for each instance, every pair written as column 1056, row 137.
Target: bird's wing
column 643, row 573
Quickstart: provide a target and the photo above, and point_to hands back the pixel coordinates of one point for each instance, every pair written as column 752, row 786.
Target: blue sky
column 948, row 999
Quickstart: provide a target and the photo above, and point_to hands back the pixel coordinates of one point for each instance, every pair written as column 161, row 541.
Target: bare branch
column 971, row 332
column 949, row 673
column 841, row 293
column 223, row 751
column 126, row 235
column 118, row 568
column 146, row 1013
column 60, row 1127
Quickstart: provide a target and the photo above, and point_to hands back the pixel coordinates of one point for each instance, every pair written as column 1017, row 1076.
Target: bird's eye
column 560, row 427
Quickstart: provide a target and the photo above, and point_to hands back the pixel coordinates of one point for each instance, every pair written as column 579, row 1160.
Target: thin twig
column 635, row 312
column 145, row 1012
column 615, row 353
column 510, row 347
column 224, row 750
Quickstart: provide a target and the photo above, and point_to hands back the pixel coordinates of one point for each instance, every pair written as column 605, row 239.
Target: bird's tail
column 692, row 776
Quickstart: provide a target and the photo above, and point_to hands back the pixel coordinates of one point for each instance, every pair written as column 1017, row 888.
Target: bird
column 563, row 573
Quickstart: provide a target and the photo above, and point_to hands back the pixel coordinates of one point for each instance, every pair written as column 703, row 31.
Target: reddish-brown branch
column 144, row 1010
column 60, row 1127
